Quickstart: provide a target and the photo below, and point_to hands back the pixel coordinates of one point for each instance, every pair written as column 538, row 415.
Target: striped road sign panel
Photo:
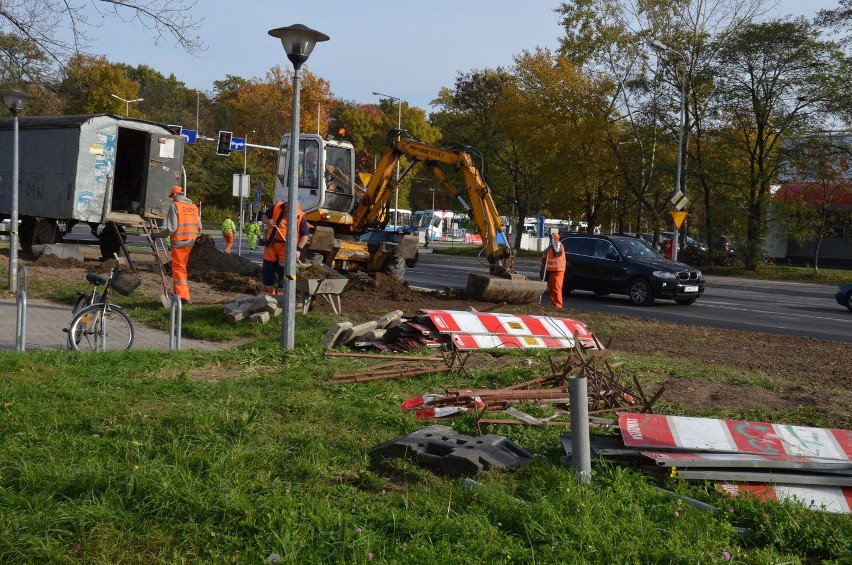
column 731, row 436
column 485, row 329
column 830, row 499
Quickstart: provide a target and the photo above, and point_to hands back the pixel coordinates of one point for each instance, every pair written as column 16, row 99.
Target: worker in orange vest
column 182, row 226
column 275, row 248
column 554, row 268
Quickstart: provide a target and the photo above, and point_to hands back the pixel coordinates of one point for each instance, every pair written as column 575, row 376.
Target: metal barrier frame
column 21, row 301
column 175, row 322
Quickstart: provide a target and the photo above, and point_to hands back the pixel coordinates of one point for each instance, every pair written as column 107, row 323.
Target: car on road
column 844, row 295
column 617, row 264
column 723, row 243
column 376, row 237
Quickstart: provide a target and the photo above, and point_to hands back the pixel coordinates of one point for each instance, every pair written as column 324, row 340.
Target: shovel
column 164, row 297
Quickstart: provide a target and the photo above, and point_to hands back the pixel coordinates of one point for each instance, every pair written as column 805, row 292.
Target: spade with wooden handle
column 164, row 297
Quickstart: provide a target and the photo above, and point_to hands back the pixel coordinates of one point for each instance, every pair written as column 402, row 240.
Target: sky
column 408, row 50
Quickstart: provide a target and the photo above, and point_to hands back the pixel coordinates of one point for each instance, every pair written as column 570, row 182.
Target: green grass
column 168, row 457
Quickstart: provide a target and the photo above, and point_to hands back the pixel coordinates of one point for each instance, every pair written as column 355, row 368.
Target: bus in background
column 438, row 223
column 399, row 219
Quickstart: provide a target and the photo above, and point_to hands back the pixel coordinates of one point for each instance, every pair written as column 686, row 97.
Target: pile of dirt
column 204, row 257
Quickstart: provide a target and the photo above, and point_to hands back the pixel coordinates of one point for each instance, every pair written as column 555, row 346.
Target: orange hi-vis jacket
column 279, row 218
column 188, row 227
column 555, row 263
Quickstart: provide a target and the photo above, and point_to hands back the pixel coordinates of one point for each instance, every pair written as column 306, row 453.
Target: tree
column 37, row 22
column 560, row 120
column 89, row 82
column 816, row 208
column 771, row 74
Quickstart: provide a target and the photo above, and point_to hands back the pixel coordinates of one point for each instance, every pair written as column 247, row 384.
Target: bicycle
column 98, row 324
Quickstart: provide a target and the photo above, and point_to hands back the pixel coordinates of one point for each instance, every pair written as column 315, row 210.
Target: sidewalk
column 45, row 320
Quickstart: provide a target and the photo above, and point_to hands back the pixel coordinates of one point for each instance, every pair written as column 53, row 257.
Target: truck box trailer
column 97, row 169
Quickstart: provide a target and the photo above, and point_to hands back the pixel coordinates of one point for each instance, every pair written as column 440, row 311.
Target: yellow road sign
column 678, row 218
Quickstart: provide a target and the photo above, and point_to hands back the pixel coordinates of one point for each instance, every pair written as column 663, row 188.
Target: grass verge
column 166, row 457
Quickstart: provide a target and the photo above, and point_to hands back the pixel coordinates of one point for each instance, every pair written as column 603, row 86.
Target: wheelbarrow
column 329, row 289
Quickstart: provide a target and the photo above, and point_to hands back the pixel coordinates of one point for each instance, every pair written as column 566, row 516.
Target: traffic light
column 224, row 145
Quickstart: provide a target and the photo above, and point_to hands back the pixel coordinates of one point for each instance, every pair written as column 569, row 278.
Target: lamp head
column 298, row 41
column 15, row 100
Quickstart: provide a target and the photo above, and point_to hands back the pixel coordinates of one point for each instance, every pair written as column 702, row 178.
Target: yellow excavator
column 341, row 209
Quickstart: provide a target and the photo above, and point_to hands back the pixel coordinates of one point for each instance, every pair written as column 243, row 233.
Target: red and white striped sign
column 477, row 330
column 731, row 436
column 829, row 499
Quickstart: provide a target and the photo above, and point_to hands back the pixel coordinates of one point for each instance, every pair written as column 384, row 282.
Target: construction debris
column 464, row 331
column 395, row 367
column 257, row 309
column 454, row 454
column 771, row 461
column 606, row 393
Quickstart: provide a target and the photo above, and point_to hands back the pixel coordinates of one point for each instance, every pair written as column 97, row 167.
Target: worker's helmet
column 176, row 190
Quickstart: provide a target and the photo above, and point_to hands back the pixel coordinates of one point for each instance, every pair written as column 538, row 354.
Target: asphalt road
column 798, row 309
column 788, row 308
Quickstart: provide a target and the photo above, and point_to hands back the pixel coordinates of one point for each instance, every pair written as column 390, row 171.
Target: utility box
column 91, row 168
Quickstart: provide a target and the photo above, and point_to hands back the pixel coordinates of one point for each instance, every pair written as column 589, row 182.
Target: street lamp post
column 298, row 41
column 399, row 127
column 15, row 101
column 197, row 108
column 127, row 103
column 660, row 46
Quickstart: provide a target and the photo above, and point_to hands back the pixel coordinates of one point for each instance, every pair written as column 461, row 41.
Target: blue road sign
column 238, row 144
column 257, row 195
column 189, row 136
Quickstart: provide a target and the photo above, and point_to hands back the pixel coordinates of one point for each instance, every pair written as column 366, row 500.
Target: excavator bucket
column 515, row 289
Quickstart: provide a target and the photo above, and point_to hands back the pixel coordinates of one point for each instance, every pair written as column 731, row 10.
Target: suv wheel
column 640, row 292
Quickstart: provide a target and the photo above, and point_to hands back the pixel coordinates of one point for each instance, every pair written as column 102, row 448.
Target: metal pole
column 288, row 318
column 13, row 221
column 197, row 108
column 581, row 459
column 243, row 181
column 680, row 153
column 396, row 188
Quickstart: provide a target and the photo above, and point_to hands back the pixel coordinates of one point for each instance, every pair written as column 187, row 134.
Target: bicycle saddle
column 95, row 278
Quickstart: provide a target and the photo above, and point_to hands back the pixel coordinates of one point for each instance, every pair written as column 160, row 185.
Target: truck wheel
column 44, row 232
column 109, row 242
column 395, row 267
column 25, row 233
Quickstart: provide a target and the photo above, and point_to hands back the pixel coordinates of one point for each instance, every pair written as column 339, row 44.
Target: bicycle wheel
column 85, row 299
column 96, row 328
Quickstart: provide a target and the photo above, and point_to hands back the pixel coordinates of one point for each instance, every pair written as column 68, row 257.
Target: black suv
column 618, row 264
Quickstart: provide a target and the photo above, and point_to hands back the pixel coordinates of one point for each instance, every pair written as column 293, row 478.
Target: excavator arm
column 481, row 206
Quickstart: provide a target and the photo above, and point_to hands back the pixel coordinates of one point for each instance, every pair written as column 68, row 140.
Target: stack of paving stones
column 257, row 309
column 386, row 328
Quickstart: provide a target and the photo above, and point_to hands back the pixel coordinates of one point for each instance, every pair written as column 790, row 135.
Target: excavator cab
column 326, row 178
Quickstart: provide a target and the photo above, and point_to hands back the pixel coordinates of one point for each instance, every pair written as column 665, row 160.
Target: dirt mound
column 204, row 257
column 229, row 282
column 57, row 262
